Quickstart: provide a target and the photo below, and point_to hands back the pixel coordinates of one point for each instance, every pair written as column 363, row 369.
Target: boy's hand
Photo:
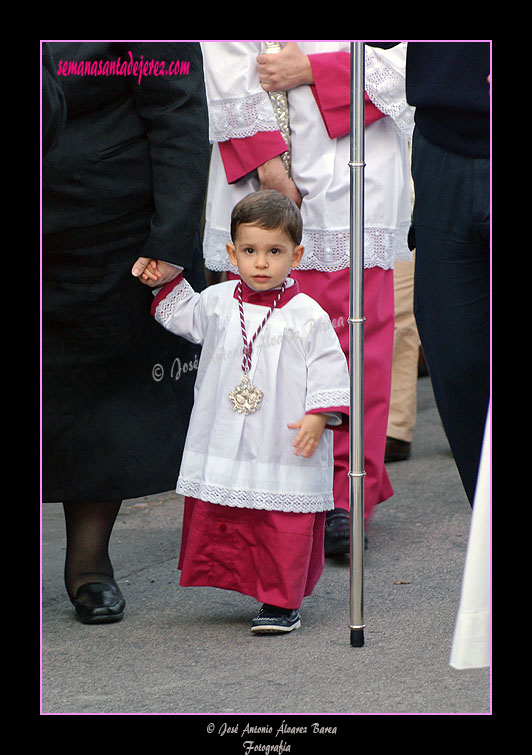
column 153, row 272
column 311, row 428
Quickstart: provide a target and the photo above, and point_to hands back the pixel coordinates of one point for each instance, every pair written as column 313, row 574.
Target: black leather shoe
column 337, row 532
column 99, row 603
column 396, row 450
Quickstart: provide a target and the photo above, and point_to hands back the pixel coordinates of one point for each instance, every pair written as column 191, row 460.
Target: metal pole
column 356, row 348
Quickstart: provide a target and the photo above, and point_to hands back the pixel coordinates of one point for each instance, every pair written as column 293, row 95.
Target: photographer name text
column 284, row 729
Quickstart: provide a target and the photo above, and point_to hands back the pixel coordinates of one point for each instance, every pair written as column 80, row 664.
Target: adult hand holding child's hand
column 154, row 273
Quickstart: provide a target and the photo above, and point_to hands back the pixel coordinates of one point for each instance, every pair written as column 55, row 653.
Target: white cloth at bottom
column 471, row 646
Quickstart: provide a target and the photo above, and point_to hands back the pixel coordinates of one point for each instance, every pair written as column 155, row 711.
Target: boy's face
column 264, row 257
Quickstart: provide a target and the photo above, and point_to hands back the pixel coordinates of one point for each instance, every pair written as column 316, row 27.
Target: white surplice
column 239, row 108
column 297, row 362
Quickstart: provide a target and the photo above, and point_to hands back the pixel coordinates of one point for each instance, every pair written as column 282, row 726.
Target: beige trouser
column 403, row 404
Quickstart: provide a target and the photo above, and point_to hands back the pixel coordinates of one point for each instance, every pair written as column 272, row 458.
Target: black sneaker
column 271, row 619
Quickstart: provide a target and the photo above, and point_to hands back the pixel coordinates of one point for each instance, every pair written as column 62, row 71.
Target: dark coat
column 125, row 161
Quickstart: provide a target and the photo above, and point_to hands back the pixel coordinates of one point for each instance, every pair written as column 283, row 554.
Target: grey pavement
column 190, row 650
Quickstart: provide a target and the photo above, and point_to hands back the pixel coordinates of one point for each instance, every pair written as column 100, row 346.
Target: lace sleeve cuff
column 328, row 401
column 238, row 117
column 385, row 86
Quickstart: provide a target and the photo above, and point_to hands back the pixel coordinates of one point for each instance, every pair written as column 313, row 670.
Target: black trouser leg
column 452, row 293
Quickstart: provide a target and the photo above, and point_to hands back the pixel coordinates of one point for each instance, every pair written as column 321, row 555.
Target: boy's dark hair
column 268, row 209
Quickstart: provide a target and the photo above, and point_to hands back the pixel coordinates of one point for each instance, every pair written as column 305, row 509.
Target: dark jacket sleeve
column 53, row 111
column 174, row 111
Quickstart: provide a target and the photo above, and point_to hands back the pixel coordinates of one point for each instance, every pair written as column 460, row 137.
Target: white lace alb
column 325, row 250
column 381, row 85
column 301, row 504
column 240, row 117
column 181, row 292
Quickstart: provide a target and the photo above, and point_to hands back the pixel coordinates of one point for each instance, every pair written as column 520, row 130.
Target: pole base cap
column 357, row 638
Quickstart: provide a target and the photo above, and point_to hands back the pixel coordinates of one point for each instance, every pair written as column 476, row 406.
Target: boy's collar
column 266, row 298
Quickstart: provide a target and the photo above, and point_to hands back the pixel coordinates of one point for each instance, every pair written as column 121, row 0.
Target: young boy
column 257, row 467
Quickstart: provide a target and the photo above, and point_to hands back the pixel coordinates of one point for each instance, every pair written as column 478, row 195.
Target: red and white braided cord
column 246, row 361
